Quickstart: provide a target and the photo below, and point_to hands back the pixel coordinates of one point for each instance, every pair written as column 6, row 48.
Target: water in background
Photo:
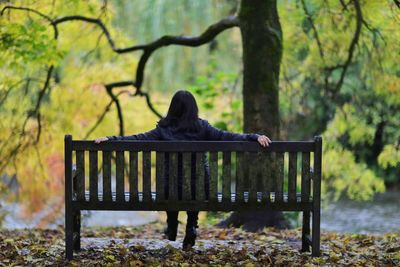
column 373, row 217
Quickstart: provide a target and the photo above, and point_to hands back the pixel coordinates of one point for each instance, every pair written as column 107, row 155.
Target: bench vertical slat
column 214, row 176
column 93, row 177
column 80, row 175
column 266, row 177
column 200, row 196
column 292, row 176
column 279, row 160
column 186, row 176
column 119, row 176
column 239, row 177
column 226, row 177
column 173, row 176
column 160, row 179
column 252, row 178
column 133, row 176
column 305, row 177
column 316, row 213
column 146, row 176
column 107, row 176
column 69, row 222
column 305, row 196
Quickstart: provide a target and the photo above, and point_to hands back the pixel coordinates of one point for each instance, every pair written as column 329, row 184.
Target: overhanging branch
column 182, row 40
column 354, row 41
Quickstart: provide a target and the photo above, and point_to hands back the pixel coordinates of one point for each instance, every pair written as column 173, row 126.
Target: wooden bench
column 130, row 177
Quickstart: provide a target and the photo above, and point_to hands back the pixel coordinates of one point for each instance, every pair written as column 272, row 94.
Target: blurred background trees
column 339, row 77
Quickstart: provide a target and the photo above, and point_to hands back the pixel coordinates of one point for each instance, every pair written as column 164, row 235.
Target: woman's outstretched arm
column 218, row 134
column 150, row 135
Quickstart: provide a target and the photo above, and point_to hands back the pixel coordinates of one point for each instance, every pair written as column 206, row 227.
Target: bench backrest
column 240, row 172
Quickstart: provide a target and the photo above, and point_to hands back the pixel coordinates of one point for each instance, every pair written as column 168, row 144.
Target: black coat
column 206, row 133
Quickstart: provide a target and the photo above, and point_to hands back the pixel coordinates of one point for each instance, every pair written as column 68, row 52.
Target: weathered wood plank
column 107, row 175
column 186, row 176
column 213, row 176
column 240, row 177
column 173, row 176
column 146, row 176
column 267, row 163
column 160, row 179
column 305, row 177
column 190, row 146
column 133, row 176
column 80, row 175
column 279, row 160
column 316, row 213
column 119, row 177
column 93, row 176
column 194, row 205
column 69, row 234
column 252, row 178
column 292, row 176
column 200, row 196
column 226, row 177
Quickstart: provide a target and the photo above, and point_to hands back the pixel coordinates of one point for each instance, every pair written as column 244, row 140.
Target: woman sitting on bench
column 183, row 123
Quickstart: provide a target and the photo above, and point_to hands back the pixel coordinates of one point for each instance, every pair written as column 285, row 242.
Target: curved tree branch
column 208, row 35
column 316, row 35
column 36, row 12
column 119, row 109
column 354, row 41
column 193, row 41
column 397, row 2
column 103, row 114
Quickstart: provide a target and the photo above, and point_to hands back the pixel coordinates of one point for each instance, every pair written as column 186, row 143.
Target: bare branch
column 149, row 104
column 120, row 84
column 5, row 95
column 205, row 37
column 316, row 36
column 209, row 34
column 36, row 12
column 26, row 9
column 84, row 58
column 193, row 41
column 354, row 41
column 119, row 110
column 99, row 120
column 103, row 114
column 36, row 110
column 397, row 2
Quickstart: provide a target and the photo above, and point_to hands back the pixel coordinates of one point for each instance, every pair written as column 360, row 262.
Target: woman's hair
column 183, row 112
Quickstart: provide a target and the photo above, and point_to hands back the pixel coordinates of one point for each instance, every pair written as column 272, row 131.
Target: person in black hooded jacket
column 183, row 123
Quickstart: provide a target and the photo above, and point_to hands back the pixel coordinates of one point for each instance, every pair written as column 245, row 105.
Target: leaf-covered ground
column 145, row 246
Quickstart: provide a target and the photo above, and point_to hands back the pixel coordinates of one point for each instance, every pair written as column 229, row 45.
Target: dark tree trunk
column 262, row 53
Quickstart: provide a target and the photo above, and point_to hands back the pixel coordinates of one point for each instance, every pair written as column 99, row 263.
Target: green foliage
column 342, row 174
column 360, row 121
column 390, row 156
column 219, row 92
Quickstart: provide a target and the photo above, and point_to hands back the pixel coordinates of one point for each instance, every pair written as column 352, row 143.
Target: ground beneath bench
column 144, row 245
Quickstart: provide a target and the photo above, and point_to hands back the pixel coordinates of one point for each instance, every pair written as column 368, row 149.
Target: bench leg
column 69, row 235
column 305, row 245
column 77, row 230
column 316, row 214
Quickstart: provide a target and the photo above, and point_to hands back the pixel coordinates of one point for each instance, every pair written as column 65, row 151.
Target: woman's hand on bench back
column 264, row 140
column 101, row 139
